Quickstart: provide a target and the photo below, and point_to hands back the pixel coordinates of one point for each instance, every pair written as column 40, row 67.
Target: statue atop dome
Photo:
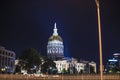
column 55, row 30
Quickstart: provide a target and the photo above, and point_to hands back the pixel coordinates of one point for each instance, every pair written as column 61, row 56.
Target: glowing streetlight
column 100, row 39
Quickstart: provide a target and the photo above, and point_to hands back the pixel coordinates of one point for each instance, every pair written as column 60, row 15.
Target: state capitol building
column 55, row 51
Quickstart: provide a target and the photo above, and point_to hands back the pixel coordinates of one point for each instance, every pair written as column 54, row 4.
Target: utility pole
column 100, row 39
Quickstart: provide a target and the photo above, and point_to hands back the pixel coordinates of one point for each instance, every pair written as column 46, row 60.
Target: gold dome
column 57, row 37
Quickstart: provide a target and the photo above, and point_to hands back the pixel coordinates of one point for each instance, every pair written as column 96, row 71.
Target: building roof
column 53, row 37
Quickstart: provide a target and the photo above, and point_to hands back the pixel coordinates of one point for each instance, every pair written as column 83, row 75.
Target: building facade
column 55, row 47
column 74, row 67
column 7, row 60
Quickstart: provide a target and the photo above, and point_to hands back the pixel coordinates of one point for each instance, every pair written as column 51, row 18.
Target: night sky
column 29, row 23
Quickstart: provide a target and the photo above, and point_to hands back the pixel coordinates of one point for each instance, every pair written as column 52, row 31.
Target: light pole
column 100, row 40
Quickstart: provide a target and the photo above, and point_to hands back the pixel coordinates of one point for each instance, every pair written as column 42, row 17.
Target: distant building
column 55, row 47
column 7, row 60
column 113, row 64
column 93, row 67
column 117, row 56
column 20, row 66
column 75, row 67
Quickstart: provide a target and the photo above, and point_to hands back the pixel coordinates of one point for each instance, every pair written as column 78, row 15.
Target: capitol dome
column 55, row 47
column 55, row 38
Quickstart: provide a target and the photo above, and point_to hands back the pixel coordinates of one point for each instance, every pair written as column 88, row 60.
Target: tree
column 20, row 66
column 32, row 57
column 17, row 69
column 68, row 70
column 48, row 66
column 64, row 71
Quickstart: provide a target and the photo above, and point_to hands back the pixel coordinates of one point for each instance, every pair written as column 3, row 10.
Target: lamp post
column 100, row 39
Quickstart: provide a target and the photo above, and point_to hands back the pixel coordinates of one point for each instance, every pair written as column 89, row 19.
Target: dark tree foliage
column 68, row 71
column 17, row 69
column 64, row 71
column 48, row 66
column 32, row 58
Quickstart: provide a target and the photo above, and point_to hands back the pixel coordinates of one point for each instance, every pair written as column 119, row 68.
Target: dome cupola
column 55, row 35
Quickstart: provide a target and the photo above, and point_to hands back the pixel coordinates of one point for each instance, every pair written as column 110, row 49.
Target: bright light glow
column 112, row 60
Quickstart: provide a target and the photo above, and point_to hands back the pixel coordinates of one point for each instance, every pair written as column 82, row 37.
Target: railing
column 60, row 77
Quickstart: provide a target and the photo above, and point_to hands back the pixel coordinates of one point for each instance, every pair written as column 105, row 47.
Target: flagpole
column 100, row 39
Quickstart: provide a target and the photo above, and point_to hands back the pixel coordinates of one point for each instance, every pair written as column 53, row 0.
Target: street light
column 100, row 39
